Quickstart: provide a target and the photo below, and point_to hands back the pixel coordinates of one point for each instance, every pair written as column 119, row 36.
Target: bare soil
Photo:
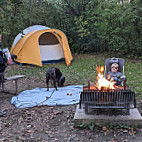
column 53, row 124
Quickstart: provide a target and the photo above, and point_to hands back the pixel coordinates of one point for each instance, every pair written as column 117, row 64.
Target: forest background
column 90, row 25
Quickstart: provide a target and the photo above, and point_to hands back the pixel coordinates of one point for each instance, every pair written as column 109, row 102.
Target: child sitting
column 115, row 74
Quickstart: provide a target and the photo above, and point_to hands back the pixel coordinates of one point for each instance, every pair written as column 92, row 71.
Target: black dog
column 55, row 75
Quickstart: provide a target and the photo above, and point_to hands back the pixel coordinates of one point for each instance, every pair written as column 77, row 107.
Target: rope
column 47, row 97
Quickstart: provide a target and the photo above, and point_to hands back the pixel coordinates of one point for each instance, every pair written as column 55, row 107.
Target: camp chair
column 120, row 62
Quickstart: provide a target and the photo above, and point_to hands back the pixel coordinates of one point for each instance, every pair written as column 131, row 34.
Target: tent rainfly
column 39, row 44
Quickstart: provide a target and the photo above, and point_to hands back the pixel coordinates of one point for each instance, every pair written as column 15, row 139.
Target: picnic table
column 15, row 79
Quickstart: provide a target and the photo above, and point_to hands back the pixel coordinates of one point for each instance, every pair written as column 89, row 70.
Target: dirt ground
column 52, row 124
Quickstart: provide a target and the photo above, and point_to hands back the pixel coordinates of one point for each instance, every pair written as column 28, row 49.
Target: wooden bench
column 12, row 78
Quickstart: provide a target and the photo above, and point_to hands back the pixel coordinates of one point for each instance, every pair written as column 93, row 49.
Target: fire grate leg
column 86, row 109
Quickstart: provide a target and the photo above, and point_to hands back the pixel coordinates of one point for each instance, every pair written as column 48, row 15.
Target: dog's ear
column 61, row 81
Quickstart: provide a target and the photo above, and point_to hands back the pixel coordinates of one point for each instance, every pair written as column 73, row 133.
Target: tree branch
column 3, row 8
column 71, row 8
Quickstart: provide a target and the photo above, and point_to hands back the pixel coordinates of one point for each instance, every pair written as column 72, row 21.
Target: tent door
column 51, row 52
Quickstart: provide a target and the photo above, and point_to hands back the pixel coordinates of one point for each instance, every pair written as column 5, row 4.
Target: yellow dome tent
column 39, row 44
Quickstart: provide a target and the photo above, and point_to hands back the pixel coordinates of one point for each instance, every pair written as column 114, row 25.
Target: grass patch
column 83, row 68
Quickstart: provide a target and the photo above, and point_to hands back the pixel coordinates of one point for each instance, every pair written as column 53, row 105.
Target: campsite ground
column 55, row 124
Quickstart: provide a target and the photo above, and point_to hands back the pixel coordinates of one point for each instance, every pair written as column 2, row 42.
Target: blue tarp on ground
column 38, row 96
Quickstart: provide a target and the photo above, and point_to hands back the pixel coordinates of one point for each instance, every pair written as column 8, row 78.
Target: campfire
column 104, row 94
column 103, row 83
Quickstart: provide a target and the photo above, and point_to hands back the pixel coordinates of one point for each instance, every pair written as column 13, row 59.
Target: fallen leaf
column 104, row 128
column 29, row 131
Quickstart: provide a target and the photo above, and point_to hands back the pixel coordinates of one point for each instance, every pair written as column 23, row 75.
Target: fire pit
column 105, row 95
column 107, row 99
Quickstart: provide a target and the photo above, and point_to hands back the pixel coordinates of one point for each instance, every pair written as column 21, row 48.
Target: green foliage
column 90, row 25
column 110, row 127
column 81, row 126
column 121, row 27
column 90, row 126
column 17, row 15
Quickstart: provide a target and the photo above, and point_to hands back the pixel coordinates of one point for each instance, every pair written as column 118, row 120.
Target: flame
column 102, row 82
